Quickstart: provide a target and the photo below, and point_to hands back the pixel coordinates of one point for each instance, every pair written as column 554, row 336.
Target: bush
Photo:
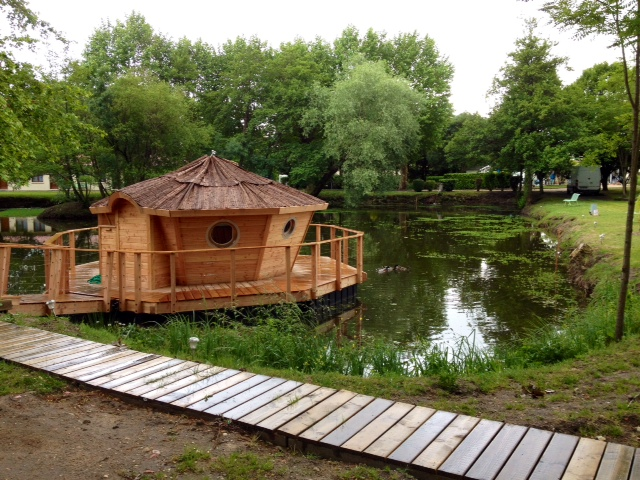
column 490, row 181
column 430, row 185
column 464, row 181
column 418, row 185
column 448, row 184
column 502, row 180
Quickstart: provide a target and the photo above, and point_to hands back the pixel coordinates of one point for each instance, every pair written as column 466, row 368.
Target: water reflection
column 485, row 275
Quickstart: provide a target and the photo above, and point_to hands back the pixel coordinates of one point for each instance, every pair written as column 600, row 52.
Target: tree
column 22, row 93
column 466, row 147
column 620, row 20
column 150, row 127
column 530, row 114
column 370, row 123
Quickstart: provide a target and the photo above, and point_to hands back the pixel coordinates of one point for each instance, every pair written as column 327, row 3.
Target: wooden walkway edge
column 333, row 423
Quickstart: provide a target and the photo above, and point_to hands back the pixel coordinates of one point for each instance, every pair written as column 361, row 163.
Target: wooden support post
column 5, row 268
column 65, row 270
column 315, row 253
column 137, row 281
column 106, row 292
column 360, row 260
column 338, row 252
column 53, row 282
column 172, row 267
column 122, row 280
column 233, row 275
column 47, row 269
column 334, row 253
column 287, row 259
column 319, row 236
column 72, row 257
column 345, row 249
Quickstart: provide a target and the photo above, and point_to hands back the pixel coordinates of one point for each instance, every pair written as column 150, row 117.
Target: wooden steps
column 340, row 424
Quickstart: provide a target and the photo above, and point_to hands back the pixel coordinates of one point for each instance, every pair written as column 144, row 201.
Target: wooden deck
column 309, row 277
column 338, row 424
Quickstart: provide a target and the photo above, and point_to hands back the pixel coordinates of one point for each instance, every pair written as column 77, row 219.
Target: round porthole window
column 289, row 228
column 223, row 234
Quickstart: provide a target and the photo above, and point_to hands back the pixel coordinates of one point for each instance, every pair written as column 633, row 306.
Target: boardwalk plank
column 555, row 458
column 134, row 360
column 422, row 437
column 317, row 413
column 159, row 380
column 369, row 434
column 181, row 380
column 402, row 430
column 278, row 404
column 88, row 361
column 356, row 423
column 438, row 451
column 32, row 343
column 635, row 470
column 132, row 373
column 262, row 400
column 22, row 338
column 471, row 447
column 497, row 452
column 585, row 460
column 196, row 391
column 70, row 357
column 98, row 365
column 526, row 455
column 616, row 462
column 233, row 389
column 336, row 418
column 245, row 396
column 34, row 351
column 295, row 408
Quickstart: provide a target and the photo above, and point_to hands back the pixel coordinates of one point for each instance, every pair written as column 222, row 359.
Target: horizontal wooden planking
column 307, row 419
column 497, row 452
column 294, row 408
column 198, row 390
column 359, row 421
column 158, row 379
column 555, row 458
column 228, row 388
column 336, row 418
column 616, row 462
column 585, row 460
column 135, row 372
column 525, row 457
column 413, row 446
column 232, row 400
column 402, row 430
column 262, row 400
column 278, row 404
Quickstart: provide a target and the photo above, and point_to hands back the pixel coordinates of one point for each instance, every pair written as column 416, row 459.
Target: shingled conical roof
column 211, row 184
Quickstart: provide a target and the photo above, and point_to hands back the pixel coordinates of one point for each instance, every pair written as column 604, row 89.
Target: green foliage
column 14, row 380
column 490, row 180
column 463, row 181
column 467, row 145
column 188, row 461
column 418, row 185
column 430, row 185
column 244, row 466
column 448, row 184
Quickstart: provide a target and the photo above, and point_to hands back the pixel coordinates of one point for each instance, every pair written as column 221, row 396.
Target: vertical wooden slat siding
column 122, row 279
column 585, row 460
column 233, row 275
column 5, row 268
column 106, row 288
column 315, row 253
column 137, row 285
column 287, row 261
column 172, row 268
column 47, row 269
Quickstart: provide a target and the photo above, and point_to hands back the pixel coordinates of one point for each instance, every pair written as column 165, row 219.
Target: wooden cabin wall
column 164, row 238
column 273, row 259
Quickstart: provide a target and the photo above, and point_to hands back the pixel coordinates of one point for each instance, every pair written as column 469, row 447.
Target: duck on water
column 388, row 269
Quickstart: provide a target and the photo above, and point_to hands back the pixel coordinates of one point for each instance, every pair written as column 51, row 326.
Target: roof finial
column 213, row 152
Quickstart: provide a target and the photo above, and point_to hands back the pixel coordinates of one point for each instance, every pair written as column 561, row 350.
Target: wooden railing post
column 287, row 259
column 334, row 253
column 360, row 259
column 233, row 276
column 338, row 253
column 172, row 268
column 345, row 248
column 315, row 253
column 72, row 248
column 5, row 268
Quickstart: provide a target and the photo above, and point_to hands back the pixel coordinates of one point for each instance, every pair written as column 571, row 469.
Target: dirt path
column 84, row 435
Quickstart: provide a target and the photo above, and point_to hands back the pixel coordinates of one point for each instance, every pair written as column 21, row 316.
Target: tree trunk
column 317, row 188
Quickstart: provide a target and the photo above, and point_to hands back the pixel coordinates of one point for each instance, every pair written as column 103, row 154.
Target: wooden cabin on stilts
column 209, row 235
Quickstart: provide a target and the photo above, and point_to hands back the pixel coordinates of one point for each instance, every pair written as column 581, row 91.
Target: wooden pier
column 338, row 424
column 331, row 262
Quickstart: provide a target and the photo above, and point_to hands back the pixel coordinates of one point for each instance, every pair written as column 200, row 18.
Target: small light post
column 193, row 344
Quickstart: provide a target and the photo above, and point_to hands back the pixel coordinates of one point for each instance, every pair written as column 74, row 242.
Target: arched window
column 223, row 234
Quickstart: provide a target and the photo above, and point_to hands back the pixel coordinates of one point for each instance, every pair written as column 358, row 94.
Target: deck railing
column 62, row 256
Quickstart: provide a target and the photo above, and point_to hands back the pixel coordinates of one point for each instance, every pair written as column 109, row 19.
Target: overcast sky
column 475, row 35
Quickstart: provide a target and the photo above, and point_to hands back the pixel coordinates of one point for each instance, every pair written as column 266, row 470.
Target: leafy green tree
column 529, row 117
column 620, row 20
column 150, row 127
column 466, row 147
column 370, row 125
column 23, row 96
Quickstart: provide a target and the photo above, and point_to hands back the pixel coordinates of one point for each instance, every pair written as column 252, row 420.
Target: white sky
column 475, row 35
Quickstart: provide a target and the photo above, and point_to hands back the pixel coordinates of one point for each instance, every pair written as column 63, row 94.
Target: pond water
column 489, row 276
column 484, row 275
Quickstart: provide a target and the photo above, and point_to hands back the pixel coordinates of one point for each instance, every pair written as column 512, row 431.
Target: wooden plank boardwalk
column 340, row 424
